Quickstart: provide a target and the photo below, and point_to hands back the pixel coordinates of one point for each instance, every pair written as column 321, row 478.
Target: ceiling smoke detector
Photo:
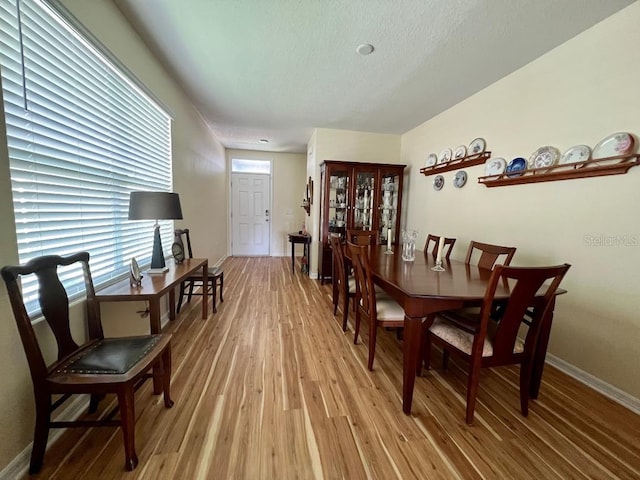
column 364, row 49
column 263, row 140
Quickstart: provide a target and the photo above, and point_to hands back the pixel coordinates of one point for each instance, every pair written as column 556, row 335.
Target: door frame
column 230, row 199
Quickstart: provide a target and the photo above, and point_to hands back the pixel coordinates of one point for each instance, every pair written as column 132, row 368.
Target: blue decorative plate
column 516, row 167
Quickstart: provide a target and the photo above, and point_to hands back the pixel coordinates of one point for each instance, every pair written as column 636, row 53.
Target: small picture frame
column 135, row 278
column 177, row 250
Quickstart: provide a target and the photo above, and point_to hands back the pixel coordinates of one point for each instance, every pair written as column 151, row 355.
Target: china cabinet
column 363, row 196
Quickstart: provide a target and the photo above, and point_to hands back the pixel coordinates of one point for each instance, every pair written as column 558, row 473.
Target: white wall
column 288, row 177
column 578, row 93
column 199, row 169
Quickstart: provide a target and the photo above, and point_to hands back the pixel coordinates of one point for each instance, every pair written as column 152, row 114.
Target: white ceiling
column 277, row 69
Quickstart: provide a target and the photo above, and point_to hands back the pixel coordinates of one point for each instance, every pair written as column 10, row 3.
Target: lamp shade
column 154, row 206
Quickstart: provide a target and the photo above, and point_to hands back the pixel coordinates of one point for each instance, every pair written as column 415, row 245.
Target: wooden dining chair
column 435, row 239
column 487, row 255
column 193, row 284
column 363, row 237
column 377, row 310
column 98, row 367
column 344, row 284
column 490, row 344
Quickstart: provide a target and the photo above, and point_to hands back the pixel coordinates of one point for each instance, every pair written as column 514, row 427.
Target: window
column 250, row 166
column 81, row 136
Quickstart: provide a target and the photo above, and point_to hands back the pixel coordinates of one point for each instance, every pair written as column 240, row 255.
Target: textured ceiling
column 277, row 69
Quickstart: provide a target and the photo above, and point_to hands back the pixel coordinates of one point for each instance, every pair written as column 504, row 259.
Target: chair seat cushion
column 352, row 285
column 388, row 309
column 463, row 341
column 110, row 355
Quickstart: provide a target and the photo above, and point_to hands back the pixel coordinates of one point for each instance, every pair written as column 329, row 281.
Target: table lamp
column 155, row 206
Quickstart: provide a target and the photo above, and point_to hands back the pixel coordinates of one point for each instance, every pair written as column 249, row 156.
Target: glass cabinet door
column 388, row 208
column 364, row 204
column 339, row 201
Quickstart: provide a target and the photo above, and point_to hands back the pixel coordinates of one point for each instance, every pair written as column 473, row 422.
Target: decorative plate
column 516, row 167
column 460, row 179
column 438, row 182
column 495, row 166
column 544, row 157
column 460, row 152
column 477, row 146
column 445, row 155
column 577, row 153
column 135, row 277
column 614, row 145
column 432, row 159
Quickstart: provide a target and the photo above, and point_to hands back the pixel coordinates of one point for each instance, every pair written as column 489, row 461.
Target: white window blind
column 81, row 136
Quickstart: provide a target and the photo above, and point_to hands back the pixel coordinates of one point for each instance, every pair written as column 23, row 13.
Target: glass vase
column 409, row 245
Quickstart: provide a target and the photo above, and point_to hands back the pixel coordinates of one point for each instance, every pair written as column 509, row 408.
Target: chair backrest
column 339, row 270
column 524, row 283
column 363, row 237
column 489, row 254
column 365, row 291
column 179, row 233
column 54, row 304
column 435, row 239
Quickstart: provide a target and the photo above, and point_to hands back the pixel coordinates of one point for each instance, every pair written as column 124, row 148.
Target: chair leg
column 356, row 329
column 345, row 312
column 94, row 401
column 181, row 296
column 472, row 389
column 213, row 291
column 128, row 424
column 191, row 285
column 166, row 378
column 525, row 378
column 445, row 358
column 221, row 286
column 372, row 343
column 41, row 432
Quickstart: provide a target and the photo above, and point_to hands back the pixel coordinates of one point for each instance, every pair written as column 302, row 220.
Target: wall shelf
column 456, row 164
column 598, row 167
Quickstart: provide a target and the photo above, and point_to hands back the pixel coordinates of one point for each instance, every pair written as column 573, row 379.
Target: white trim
column 19, row 466
column 614, row 393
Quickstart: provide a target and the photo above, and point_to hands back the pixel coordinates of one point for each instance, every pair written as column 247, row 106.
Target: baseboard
column 614, row 393
column 19, row 466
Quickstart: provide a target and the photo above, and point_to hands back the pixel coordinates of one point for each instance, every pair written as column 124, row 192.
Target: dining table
column 423, row 292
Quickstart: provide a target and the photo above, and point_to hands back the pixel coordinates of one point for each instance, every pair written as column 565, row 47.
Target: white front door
column 250, row 214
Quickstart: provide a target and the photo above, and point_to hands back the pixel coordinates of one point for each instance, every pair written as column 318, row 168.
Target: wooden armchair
column 344, row 285
column 435, row 239
column 488, row 344
column 190, row 285
column 100, row 366
column 378, row 310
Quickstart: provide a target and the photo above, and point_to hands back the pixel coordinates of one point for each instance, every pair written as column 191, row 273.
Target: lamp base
column 158, row 271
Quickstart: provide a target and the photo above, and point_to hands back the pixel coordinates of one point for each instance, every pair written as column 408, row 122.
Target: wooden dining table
column 423, row 292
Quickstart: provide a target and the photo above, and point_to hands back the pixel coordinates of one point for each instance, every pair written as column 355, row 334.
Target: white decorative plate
column 495, row 166
column 460, row 179
column 477, row 146
column 438, row 182
column 432, row 159
column 614, row 145
column 460, row 152
column 445, row 155
column 577, row 153
column 544, row 157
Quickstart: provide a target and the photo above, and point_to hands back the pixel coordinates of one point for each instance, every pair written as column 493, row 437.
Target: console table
column 154, row 286
column 305, row 240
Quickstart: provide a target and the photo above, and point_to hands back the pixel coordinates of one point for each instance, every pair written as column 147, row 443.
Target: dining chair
column 487, row 255
column 435, row 239
column 98, row 367
column 363, row 237
column 344, row 285
column 490, row 344
column 378, row 310
column 193, row 284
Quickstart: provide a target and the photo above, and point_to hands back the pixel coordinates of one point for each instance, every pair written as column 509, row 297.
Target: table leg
column 293, row 257
column 541, row 352
column 172, row 304
column 411, row 352
column 154, row 315
column 205, row 290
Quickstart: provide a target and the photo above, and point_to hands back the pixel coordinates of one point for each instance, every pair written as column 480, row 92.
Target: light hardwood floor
column 271, row 388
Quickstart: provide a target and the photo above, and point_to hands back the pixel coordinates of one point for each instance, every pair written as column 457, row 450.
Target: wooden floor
column 271, row 388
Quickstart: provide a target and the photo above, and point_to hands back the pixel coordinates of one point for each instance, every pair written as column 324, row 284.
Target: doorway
column 250, row 214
